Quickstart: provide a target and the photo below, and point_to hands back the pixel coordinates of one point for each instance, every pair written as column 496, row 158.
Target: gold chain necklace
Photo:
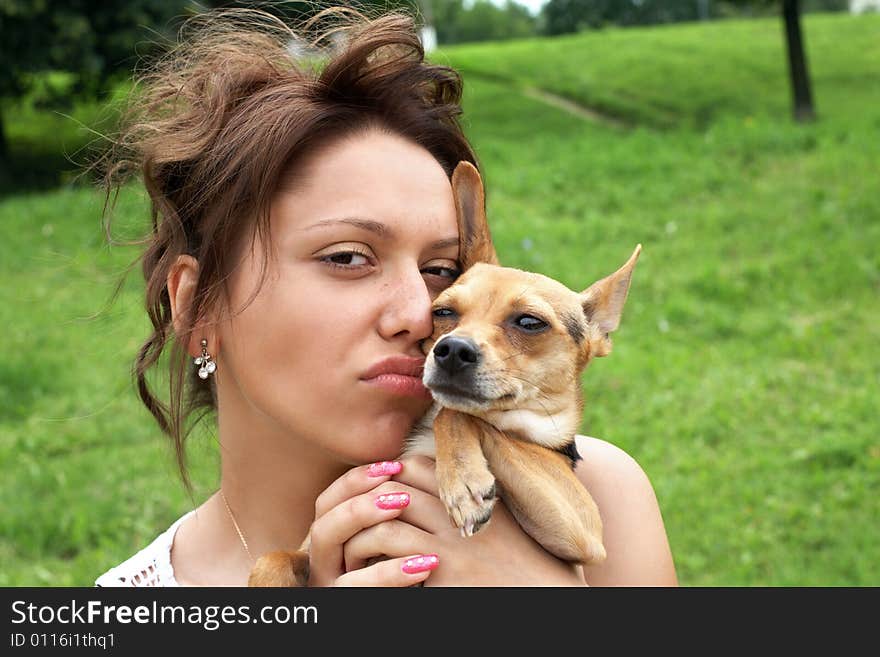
column 235, row 524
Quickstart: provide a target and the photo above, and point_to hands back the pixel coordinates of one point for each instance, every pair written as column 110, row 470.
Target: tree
column 797, row 63
column 94, row 41
column 798, row 72
column 563, row 16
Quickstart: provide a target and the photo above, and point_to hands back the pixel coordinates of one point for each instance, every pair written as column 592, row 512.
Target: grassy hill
column 744, row 378
column 690, row 75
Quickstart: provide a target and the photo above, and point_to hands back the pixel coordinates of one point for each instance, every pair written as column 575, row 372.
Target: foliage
column 482, row 21
column 92, row 40
column 564, row 16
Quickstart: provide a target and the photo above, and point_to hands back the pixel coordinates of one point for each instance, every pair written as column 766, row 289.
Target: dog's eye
column 530, row 323
column 444, row 312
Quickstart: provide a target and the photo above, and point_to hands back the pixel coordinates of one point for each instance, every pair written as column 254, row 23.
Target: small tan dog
column 504, row 367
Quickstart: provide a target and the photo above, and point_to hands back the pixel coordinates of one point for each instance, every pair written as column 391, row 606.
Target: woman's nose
column 407, row 307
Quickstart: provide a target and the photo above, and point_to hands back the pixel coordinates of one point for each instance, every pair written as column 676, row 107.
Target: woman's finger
column 400, row 572
column 354, row 482
column 394, row 538
column 425, row 511
column 418, row 472
column 336, row 526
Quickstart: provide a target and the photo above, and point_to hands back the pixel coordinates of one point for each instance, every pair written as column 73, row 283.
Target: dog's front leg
column 539, row 487
column 465, row 483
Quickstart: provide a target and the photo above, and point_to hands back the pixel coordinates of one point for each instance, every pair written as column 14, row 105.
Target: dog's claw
column 469, row 500
column 480, row 497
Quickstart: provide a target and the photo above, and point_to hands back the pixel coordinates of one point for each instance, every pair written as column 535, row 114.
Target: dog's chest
column 554, row 431
column 420, row 441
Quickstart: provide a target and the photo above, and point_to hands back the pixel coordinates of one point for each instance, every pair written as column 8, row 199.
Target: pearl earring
column 206, row 365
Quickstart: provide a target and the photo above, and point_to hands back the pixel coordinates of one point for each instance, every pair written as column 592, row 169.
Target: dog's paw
column 469, row 498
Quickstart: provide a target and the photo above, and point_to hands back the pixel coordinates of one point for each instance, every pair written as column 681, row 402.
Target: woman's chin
column 386, row 438
column 372, row 438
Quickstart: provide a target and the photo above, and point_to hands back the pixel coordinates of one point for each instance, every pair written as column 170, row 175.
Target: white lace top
column 149, row 567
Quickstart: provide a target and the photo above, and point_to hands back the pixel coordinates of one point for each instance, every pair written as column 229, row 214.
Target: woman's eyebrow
column 444, row 244
column 379, row 229
column 365, row 224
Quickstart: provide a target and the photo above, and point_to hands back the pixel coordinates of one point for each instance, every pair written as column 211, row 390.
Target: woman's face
column 363, row 243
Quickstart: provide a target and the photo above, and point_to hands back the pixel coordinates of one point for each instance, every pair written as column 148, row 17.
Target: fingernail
column 392, row 500
column 420, row 564
column 384, row 468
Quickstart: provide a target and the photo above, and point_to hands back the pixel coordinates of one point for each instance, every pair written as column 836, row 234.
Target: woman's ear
column 182, row 281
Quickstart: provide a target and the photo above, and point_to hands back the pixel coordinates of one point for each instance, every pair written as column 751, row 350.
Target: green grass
column 744, row 378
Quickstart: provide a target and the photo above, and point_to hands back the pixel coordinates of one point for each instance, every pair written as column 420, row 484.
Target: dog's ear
column 473, row 228
column 603, row 302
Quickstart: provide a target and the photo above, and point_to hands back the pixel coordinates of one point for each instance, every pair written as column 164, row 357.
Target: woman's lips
column 400, row 384
column 400, row 375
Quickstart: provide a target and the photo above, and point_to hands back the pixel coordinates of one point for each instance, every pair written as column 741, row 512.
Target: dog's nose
column 454, row 354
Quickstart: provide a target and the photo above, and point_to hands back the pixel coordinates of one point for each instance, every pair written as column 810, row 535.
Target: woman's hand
column 365, row 502
column 501, row 554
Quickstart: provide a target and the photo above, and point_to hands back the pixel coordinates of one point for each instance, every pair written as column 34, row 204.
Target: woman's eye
column 530, row 323
column 346, row 259
column 443, row 272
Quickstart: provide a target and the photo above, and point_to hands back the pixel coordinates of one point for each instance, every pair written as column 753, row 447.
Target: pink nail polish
column 384, row 468
column 420, row 564
column 392, row 500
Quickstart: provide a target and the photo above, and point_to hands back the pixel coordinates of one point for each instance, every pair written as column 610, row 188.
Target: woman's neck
column 270, row 480
column 271, row 483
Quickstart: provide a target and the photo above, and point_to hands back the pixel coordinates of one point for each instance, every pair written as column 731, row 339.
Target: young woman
column 303, row 221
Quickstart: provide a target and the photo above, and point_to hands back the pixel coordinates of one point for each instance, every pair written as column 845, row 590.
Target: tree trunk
column 5, row 159
column 4, row 146
column 797, row 63
column 703, row 7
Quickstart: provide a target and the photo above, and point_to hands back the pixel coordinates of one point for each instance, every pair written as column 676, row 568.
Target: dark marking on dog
column 570, row 452
column 574, row 327
column 482, row 520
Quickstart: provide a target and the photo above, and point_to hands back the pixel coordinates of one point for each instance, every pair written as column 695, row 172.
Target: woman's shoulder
column 609, row 472
column 605, row 464
column 150, row 566
column 634, row 533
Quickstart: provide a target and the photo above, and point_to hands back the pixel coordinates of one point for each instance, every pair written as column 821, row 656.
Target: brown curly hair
column 218, row 124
